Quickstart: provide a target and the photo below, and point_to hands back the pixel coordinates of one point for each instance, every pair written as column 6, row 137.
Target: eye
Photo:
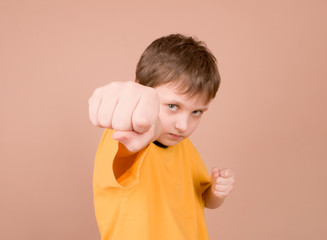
column 197, row 112
column 172, row 107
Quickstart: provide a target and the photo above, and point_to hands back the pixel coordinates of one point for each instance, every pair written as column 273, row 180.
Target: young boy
column 149, row 181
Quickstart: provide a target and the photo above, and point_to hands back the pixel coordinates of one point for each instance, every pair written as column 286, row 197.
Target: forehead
column 170, row 93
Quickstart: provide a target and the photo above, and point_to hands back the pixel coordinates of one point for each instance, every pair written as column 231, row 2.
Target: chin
column 169, row 142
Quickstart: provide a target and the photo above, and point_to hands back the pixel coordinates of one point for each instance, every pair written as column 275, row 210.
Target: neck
column 159, row 144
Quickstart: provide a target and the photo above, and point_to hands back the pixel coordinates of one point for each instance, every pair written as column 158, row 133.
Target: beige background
column 268, row 122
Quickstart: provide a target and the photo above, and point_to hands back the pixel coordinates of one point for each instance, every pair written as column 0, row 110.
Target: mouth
column 175, row 137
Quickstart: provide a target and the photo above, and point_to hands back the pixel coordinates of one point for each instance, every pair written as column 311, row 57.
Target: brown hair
column 179, row 60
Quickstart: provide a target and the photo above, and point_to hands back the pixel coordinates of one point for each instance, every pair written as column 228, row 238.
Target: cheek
column 164, row 118
column 193, row 125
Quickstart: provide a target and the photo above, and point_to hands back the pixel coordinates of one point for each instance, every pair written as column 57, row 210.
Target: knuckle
column 114, row 85
column 121, row 125
column 90, row 101
column 154, row 96
column 96, row 93
column 103, row 122
column 93, row 119
column 141, row 123
column 129, row 86
column 103, row 119
column 94, row 122
column 116, row 126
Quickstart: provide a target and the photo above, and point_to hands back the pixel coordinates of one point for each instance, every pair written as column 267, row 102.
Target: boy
column 149, row 181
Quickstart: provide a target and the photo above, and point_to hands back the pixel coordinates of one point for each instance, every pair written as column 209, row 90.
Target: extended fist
column 129, row 108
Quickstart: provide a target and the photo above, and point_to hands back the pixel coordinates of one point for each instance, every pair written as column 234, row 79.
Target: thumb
column 122, row 136
column 133, row 141
column 214, row 174
column 214, row 177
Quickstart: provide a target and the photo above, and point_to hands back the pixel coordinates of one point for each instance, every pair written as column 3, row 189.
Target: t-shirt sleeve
column 103, row 174
column 204, row 178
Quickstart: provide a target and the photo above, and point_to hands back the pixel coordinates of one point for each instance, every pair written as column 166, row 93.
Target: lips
column 175, row 136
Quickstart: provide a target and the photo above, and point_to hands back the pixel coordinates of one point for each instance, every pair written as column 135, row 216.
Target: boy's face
column 179, row 114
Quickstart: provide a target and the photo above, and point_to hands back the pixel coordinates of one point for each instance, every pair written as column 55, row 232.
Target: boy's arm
column 222, row 185
column 131, row 110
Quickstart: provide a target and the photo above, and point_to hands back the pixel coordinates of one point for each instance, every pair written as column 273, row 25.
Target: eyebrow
column 202, row 109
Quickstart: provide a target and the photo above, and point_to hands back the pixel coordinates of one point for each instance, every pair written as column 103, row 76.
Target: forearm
column 211, row 200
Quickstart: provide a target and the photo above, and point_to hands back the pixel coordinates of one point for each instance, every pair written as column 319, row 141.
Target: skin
column 139, row 115
column 179, row 114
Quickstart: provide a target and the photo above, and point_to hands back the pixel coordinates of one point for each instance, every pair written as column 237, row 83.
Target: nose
column 181, row 123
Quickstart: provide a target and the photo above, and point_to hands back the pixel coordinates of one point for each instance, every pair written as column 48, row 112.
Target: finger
column 221, row 194
column 223, row 188
column 146, row 111
column 122, row 136
column 106, row 110
column 122, row 116
column 132, row 140
column 224, row 181
column 225, row 173
column 94, row 103
column 214, row 174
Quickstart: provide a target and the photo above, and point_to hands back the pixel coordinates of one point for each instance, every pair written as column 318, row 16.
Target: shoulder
column 187, row 150
column 187, row 144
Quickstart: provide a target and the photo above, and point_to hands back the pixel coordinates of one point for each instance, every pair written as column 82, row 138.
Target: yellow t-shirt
column 158, row 197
